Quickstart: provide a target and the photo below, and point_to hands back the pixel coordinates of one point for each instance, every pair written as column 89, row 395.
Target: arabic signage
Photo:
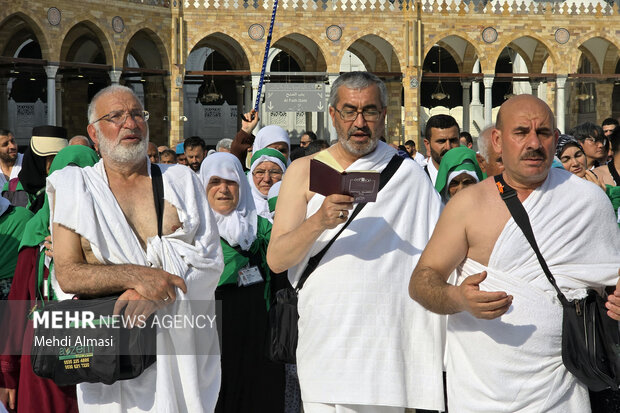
column 295, row 97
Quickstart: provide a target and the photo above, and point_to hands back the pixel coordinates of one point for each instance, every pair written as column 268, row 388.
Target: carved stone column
column 560, row 102
column 51, row 70
column 466, row 100
column 488, row 98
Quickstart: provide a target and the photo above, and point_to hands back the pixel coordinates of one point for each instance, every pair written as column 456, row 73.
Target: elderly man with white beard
column 107, row 241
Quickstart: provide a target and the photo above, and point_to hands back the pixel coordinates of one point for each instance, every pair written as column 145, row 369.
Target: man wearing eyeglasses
column 107, row 240
column 306, row 139
column 594, row 142
column 363, row 345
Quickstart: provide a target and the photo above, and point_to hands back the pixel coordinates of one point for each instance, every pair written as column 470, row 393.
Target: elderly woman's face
column 265, row 175
column 460, row 182
column 574, row 160
column 223, row 195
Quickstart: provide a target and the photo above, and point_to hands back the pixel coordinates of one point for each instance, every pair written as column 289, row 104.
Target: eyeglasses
column 119, row 117
column 260, row 174
column 596, row 140
column 369, row 115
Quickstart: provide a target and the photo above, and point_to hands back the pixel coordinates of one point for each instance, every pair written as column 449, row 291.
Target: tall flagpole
column 267, row 46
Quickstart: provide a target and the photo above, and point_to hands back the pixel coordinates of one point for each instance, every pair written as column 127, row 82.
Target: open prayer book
column 327, row 177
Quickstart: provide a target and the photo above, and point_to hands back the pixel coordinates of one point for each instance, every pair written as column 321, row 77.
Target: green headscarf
column 37, row 227
column 457, row 159
column 613, row 192
column 270, row 153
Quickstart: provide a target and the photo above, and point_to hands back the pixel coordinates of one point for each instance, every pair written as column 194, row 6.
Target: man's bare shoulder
column 602, row 172
column 481, row 212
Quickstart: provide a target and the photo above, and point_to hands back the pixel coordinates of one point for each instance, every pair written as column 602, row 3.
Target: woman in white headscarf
column 273, row 136
column 249, row 381
column 266, row 169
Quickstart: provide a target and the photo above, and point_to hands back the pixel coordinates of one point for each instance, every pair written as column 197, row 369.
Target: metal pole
column 267, row 46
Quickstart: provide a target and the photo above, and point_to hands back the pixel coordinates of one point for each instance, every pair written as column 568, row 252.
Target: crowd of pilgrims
column 241, row 178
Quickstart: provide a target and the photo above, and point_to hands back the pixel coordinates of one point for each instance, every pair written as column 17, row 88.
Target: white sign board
column 295, row 97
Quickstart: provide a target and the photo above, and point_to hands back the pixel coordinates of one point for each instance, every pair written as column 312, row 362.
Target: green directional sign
column 295, row 97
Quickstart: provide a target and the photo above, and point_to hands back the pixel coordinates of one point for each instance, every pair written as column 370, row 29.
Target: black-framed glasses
column 369, row 115
column 119, row 117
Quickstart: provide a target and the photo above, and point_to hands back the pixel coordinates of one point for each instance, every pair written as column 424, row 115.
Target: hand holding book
column 327, row 178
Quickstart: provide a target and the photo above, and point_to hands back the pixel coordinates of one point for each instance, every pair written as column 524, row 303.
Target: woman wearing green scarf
column 30, row 285
column 250, row 382
column 458, row 169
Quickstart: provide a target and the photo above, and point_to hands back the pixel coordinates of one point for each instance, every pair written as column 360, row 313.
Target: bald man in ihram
column 505, row 321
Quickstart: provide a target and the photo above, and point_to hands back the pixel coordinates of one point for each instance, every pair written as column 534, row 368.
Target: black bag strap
column 426, row 170
column 518, row 212
column 614, row 172
column 314, row 261
column 158, row 195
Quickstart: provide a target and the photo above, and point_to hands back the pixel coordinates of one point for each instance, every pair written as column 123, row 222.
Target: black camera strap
column 158, row 195
column 314, row 261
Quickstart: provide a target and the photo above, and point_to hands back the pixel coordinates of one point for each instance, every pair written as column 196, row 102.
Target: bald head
column 153, row 152
column 518, row 102
column 80, row 140
column 526, row 137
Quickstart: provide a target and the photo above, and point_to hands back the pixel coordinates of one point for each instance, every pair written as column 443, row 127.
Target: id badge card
column 249, row 276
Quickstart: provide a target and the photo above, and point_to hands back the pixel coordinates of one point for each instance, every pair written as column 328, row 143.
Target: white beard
column 120, row 153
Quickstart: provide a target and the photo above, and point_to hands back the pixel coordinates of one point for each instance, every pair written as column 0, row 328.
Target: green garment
column 12, row 227
column 272, row 203
column 235, row 260
column 268, row 152
column 38, row 227
column 613, row 192
column 457, row 159
column 20, row 187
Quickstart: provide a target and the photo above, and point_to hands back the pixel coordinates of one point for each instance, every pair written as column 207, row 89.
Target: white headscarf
column 260, row 200
column 238, row 227
column 268, row 135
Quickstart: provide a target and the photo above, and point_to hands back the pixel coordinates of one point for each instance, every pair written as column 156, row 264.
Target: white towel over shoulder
column 175, row 383
column 514, row 363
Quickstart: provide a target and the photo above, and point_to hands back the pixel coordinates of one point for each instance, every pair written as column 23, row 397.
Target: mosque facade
column 196, row 65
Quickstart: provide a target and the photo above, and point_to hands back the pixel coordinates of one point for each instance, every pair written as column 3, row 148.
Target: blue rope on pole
column 267, row 46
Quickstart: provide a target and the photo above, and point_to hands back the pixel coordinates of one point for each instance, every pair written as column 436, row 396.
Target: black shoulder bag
column 590, row 338
column 102, row 351
column 283, row 316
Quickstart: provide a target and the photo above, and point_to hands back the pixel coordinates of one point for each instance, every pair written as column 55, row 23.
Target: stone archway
column 215, row 91
column 457, row 59
column 375, row 54
column 84, row 72
column 592, row 95
column 23, row 89
column 144, row 61
column 295, row 59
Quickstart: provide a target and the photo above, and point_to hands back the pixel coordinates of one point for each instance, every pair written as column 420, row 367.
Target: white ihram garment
column 175, row 383
column 362, row 339
column 514, row 363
